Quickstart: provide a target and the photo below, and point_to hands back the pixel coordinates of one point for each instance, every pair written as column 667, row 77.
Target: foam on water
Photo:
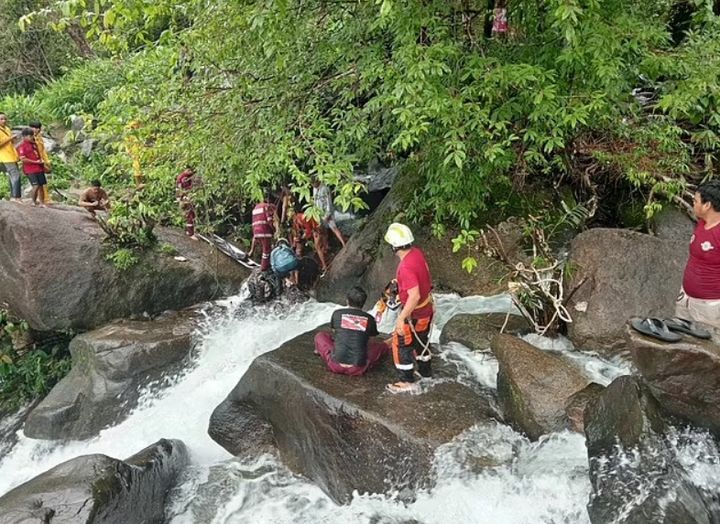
column 489, row 474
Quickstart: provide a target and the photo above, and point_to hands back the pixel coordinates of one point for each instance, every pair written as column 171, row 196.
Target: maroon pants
column 266, row 245
column 324, row 344
column 190, row 221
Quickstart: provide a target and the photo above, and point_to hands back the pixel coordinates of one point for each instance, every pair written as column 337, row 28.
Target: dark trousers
column 266, row 245
column 409, row 350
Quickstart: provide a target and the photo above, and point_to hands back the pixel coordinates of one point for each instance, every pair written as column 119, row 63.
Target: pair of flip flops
column 669, row 330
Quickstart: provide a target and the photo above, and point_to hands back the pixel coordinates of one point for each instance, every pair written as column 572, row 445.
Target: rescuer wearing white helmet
column 410, row 342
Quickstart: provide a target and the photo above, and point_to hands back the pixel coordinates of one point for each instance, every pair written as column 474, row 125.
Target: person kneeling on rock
column 351, row 352
column 95, row 198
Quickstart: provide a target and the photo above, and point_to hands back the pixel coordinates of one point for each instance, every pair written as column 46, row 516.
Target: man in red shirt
column 410, row 343
column 263, row 220
column 699, row 297
column 32, row 164
column 183, row 186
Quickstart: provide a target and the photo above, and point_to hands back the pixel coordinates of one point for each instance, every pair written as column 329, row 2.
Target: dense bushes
column 257, row 92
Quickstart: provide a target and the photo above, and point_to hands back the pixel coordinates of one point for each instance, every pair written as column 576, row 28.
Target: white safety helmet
column 399, row 235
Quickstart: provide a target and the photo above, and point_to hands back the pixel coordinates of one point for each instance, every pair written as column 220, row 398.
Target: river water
column 529, row 482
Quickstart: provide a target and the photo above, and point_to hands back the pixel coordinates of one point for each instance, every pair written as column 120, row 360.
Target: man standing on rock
column 40, row 145
column 184, row 184
column 410, row 342
column 322, row 198
column 33, row 166
column 263, row 220
column 9, row 159
column 352, row 351
column 699, row 298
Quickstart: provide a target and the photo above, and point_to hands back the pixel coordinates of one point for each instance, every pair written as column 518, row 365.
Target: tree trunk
column 78, row 37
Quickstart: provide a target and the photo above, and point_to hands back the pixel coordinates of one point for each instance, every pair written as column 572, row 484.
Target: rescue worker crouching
column 410, row 341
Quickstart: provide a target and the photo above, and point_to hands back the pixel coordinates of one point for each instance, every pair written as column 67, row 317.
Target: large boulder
column 635, row 476
column 345, row 433
column 684, row 377
column 99, row 489
column 534, row 387
column 620, row 274
column 53, row 271
column 110, row 367
column 368, row 261
column 476, row 331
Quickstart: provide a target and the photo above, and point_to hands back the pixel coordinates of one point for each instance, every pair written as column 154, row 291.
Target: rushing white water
column 489, row 474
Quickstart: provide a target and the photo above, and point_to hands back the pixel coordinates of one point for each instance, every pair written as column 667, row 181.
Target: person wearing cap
column 411, row 337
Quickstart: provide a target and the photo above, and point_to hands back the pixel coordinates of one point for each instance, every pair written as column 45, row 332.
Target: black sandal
column 656, row 328
column 688, row 327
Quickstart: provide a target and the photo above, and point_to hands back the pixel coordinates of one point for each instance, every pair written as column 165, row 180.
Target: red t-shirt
column 29, row 151
column 413, row 272
column 702, row 272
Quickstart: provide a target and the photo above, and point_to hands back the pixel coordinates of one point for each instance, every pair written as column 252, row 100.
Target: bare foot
column 193, row 237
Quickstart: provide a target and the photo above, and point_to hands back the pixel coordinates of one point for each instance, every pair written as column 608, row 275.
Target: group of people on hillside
column 30, row 153
column 35, row 164
column 269, row 217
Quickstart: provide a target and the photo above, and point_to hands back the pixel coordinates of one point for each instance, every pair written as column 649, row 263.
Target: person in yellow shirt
column 9, row 158
column 40, row 144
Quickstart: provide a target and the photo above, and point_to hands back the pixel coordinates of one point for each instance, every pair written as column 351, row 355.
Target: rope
column 426, row 346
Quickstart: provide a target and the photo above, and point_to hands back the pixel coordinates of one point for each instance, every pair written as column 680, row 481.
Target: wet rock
column 576, row 404
column 674, row 225
column 347, row 433
column 368, row 261
column 99, row 489
column 110, row 367
column 635, row 476
column 476, row 331
column 621, row 274
column 534, row 386
column 684, row 377
column 54, row 274
column 241, row 418
column 11, row 421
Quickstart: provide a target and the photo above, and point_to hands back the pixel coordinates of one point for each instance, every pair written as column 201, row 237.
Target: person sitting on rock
column 351, row 352
column 699, row 298
column 95, row 198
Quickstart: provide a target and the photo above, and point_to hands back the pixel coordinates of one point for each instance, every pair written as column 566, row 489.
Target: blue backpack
column 283, row 260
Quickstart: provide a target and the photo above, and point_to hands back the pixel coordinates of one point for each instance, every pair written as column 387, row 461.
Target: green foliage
column 255, row 93
column 123, row 258
column 33, row 57
column 28, row 372
column 80, row 91
column 168, row 249
column 131, row 223
column 21, row 108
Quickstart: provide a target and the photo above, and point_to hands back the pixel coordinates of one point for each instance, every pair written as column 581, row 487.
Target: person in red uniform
column 263, row 220
column 699, row 298
column 410, row 341
column 352, row 351
column 183, row 186
column 32, row 165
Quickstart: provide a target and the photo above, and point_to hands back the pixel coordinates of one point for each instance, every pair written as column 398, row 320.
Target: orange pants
column 408, row 349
